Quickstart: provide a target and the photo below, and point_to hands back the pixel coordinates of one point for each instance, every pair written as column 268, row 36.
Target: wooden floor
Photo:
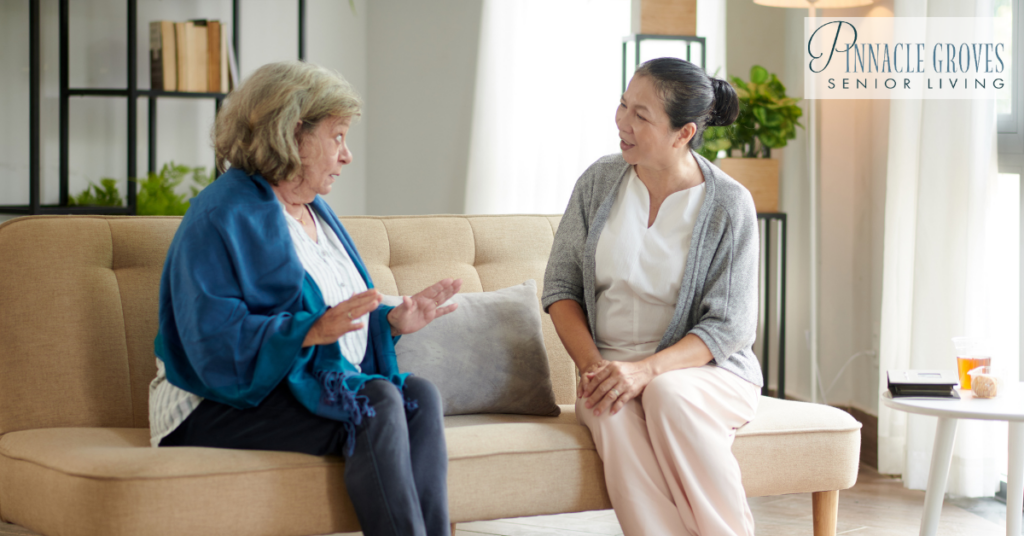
column 877, row 505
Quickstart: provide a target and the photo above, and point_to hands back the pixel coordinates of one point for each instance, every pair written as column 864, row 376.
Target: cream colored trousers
column 667, row 455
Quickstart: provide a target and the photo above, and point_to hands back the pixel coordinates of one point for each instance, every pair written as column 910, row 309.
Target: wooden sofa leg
column 453, row 529
column 826, row 509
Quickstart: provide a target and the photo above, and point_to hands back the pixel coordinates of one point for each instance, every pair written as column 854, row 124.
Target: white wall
column 853, row 141
column 854, row 153
column 422, row 73
column 336, row 38
column 766, row 36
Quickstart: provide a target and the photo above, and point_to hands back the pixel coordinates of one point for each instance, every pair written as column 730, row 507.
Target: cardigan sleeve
column 563, row 277
column 727, row 310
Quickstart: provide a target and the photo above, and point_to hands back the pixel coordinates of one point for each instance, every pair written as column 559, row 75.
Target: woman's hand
column 586, row 374
column 613, row 383
column 417, row 311
column 342, row 318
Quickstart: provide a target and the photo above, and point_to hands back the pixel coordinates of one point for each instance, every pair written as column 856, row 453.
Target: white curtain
column 549, row 77
column 950, row 259
column 711, row 26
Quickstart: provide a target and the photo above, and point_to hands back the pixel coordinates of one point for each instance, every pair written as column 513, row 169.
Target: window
column 1011, row 120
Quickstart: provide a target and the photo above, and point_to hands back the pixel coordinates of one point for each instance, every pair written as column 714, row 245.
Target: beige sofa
column 78, row 314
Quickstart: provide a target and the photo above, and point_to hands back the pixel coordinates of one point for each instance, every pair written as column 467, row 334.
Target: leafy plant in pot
column 157, row 192
column 767, row 120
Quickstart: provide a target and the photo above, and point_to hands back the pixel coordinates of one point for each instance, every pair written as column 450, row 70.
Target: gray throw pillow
column 486, row 357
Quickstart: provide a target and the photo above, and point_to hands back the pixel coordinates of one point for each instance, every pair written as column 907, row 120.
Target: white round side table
column 1008, row 406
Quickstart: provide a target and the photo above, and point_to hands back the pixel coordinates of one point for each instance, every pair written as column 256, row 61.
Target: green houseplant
column 104, row 194
column 767, row 120
column 156, row 195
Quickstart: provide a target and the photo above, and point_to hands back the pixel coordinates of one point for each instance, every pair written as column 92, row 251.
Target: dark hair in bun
column 691, row 96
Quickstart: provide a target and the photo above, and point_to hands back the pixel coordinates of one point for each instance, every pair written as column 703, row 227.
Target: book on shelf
column 163, row 57
column 213, row 56
column 200, row 60
column 231, row 69
column 197, row 55
column 225, row 73
column 182, row 33
column 191, row 56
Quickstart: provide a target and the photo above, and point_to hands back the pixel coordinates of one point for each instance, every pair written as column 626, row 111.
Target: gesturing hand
column 342, row 318
column 418, row 310
column 613, row 384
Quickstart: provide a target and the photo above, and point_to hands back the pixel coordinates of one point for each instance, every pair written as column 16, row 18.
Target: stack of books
column 194, row 56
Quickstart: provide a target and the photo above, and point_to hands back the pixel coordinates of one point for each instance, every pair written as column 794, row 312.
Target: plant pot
column 759, row 175
column 664, row 17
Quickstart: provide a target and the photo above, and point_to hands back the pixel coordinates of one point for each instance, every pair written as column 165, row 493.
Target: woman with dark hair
column 652, row 287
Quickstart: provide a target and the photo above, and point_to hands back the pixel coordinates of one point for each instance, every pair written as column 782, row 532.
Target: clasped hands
column 410, row 316
column 609, row 385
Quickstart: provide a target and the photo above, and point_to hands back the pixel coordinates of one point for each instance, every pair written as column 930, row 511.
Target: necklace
column 301, row 216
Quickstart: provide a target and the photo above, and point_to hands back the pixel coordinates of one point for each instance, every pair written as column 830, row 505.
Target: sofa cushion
column 92, row 481
column 405, row 254
column 797, row 447
column 486, row 357
column 108, row 481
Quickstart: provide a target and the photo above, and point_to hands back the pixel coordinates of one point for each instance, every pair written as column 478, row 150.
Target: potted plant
column 157, row 195
column 767, row 120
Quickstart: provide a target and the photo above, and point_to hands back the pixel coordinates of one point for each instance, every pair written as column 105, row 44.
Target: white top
column 327, row 262
column 1008, row 405
column 640, row 269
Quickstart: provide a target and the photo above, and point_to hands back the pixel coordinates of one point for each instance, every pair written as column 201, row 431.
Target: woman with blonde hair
column 271, row 334
column 652, row 287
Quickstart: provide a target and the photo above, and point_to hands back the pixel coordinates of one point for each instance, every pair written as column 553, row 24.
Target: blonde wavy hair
column 256, row 129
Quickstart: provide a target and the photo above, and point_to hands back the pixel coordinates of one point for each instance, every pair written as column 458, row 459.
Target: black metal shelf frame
column 131, row 93
column 765, row 292
column 638, row 39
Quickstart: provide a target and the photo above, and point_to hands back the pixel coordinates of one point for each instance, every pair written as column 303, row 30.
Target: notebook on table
column 923, row 383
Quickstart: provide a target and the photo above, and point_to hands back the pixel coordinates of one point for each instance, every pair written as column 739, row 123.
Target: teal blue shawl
column 236, row 305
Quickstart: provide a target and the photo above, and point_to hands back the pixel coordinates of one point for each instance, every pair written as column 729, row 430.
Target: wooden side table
column 1008, row 406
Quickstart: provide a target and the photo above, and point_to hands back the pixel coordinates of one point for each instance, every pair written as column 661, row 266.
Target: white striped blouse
column 330, row 266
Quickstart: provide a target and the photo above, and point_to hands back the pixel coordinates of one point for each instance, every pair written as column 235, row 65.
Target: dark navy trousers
column 397, row 475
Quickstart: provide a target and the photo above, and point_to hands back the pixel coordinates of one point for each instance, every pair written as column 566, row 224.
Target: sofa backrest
column 79, row 300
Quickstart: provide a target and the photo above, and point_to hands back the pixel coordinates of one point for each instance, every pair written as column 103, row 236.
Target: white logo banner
column 906, row 57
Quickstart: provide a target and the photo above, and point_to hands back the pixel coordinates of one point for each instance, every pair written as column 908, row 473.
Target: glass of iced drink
column 971, row 353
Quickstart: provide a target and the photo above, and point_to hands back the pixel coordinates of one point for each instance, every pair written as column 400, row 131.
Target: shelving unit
column 131, row 93
column 766, row 302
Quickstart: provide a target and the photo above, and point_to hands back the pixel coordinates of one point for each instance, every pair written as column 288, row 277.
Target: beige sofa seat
column 78, row 306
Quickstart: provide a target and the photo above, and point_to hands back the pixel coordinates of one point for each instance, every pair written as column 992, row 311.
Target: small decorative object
column 767, row 120
column 984, row 382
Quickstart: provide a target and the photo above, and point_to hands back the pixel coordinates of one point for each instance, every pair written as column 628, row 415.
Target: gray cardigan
column 718, row 296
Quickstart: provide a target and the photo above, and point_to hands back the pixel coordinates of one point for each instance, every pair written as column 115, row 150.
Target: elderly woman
column 271, row 335
column 651, row 285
